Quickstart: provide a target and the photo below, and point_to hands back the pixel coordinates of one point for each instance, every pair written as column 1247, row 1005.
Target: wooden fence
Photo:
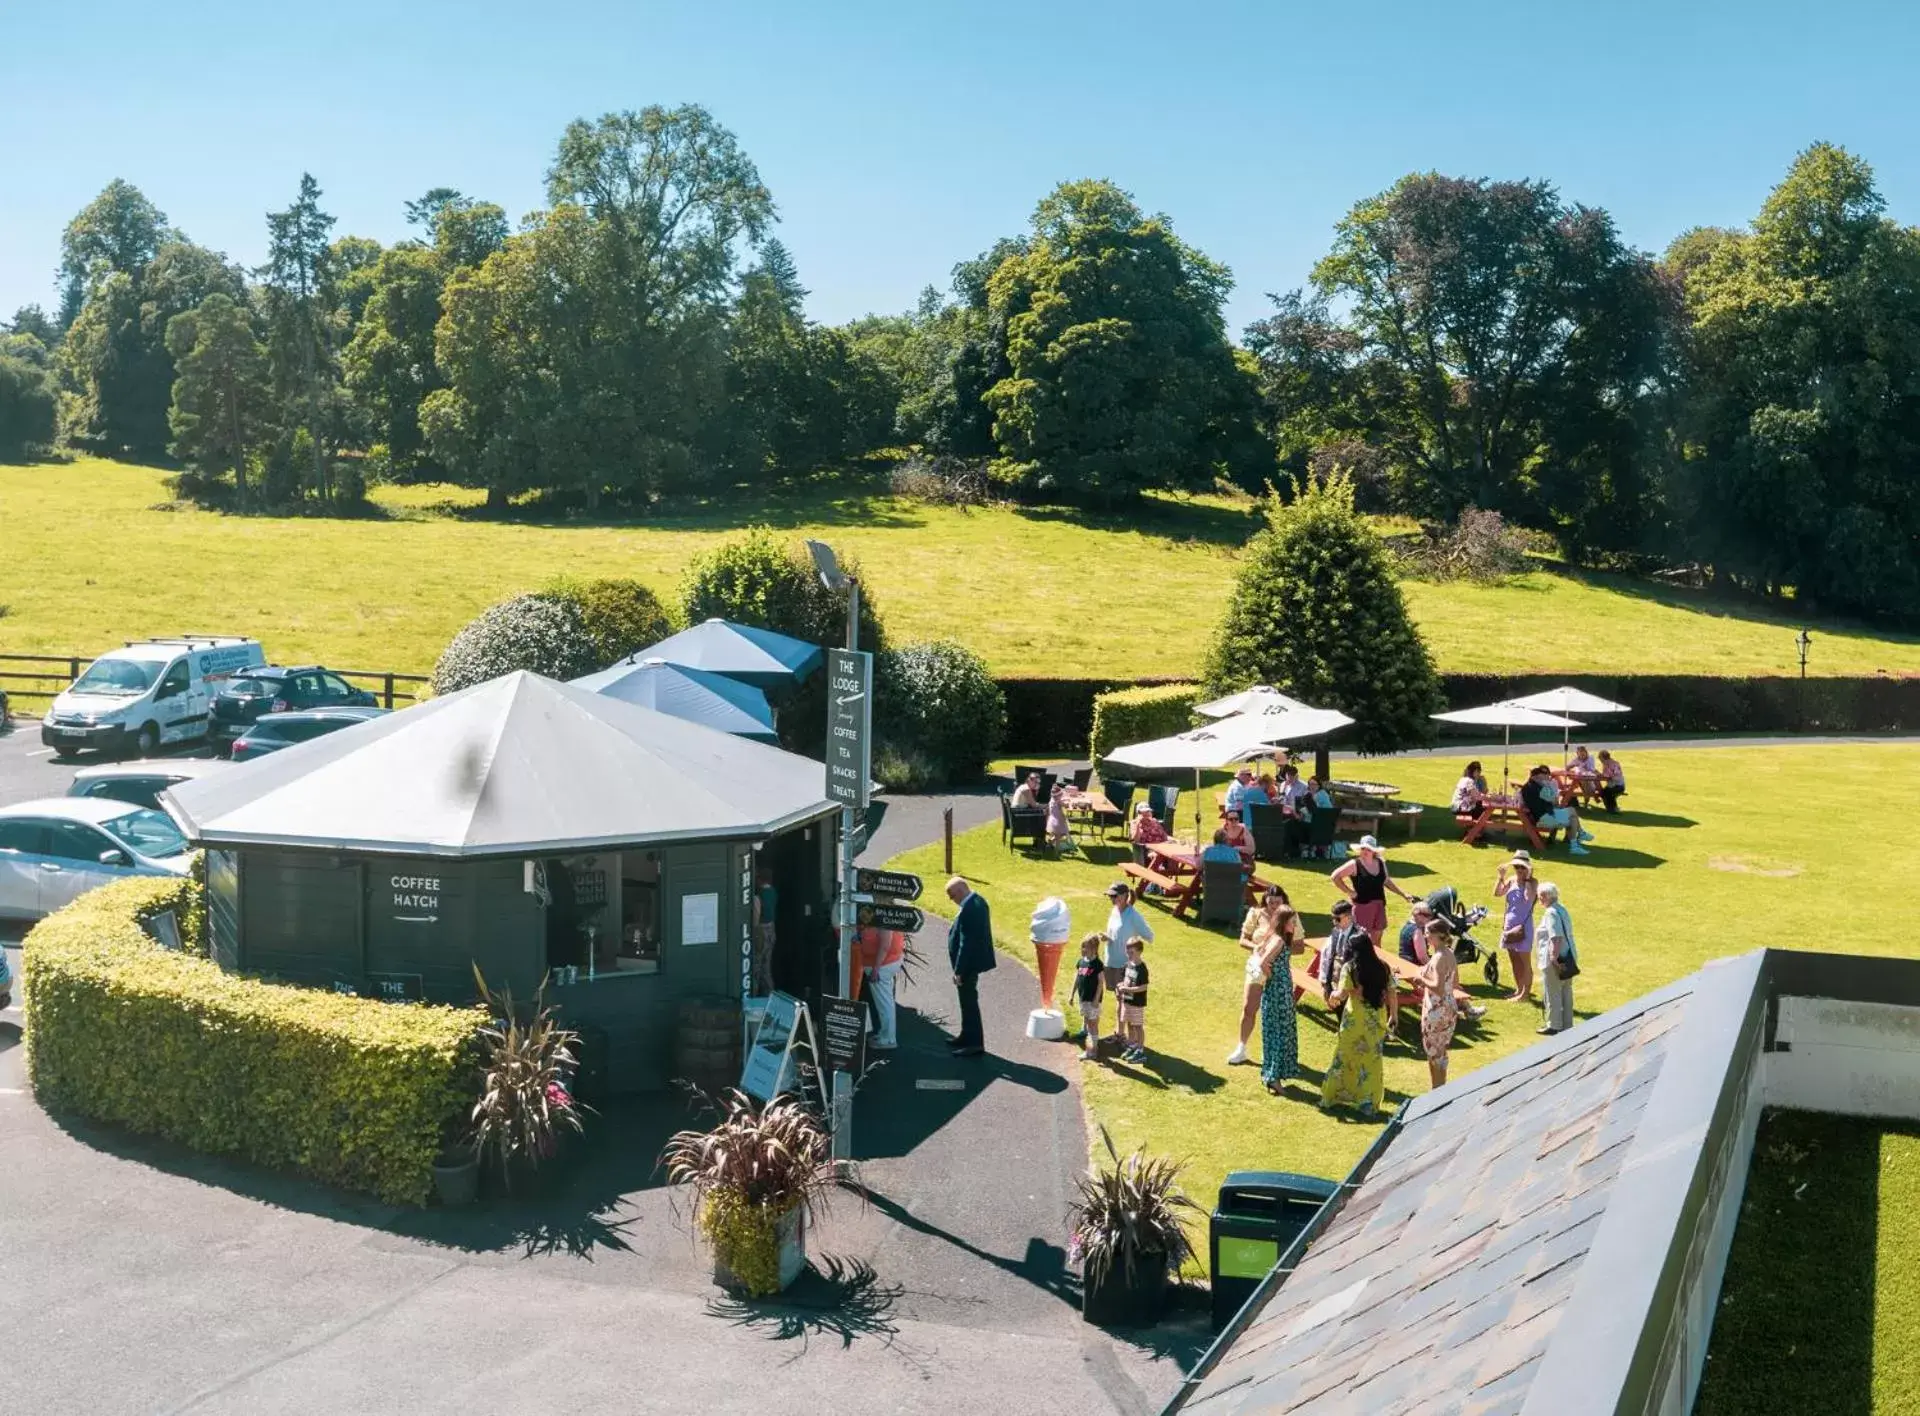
column 49, row 674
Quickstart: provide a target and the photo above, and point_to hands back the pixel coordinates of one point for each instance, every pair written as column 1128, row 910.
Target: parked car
column 55, row 850
column 278, row 730
column 250, row 695
column 140, row 783
column 151, row 692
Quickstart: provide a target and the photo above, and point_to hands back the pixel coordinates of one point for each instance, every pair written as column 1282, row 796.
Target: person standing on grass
column 1272, row 917
column 1365, row 880
column 1439, row 1011
column 1553, row 942
column 1132, row 993
column 1124, row 923
column 1357, row 1076
column 970, row 952
column 1059, row 832
column 1279, row 1024
column 1089, row 988
column 1333, row 958
column 1515, row 887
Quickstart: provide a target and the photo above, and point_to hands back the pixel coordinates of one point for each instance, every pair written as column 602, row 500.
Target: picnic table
column 1174, row 869
column 1085, row 808
column 1580, row 787
column 1501, row 813
column 1406, row 976
column 1382, row 791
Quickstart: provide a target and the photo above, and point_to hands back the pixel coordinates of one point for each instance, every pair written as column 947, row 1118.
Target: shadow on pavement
column 1044, row 1265
column 897, row 1112
column 835, row 1297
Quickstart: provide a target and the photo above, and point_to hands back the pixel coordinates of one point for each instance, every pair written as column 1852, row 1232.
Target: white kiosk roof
column 519, row 765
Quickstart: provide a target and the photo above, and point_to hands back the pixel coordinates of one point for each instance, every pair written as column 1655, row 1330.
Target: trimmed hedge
column 1141, row 714
column 354, row 1092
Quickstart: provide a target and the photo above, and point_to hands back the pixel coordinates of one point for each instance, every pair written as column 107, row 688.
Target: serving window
column 603, row 915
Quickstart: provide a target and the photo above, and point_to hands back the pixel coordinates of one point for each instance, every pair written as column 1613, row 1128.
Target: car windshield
column 251, row 687
column 118, row 677
column 151, row 833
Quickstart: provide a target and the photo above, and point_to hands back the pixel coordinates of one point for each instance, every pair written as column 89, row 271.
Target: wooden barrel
column 706, row 1044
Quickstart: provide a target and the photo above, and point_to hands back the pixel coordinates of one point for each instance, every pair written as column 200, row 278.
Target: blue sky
column 900, row 138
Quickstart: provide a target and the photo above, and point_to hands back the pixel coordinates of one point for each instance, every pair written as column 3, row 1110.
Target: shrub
column 942, row 704
column 1140, row 715
column 535, row 632
column 1316, row 612
column 619, row 617
column 904, row 770
column 762, row 579
column 1480, row 546
column 351, row 1091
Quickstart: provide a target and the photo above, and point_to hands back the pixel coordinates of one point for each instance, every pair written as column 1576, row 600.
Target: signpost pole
column 843, row 1081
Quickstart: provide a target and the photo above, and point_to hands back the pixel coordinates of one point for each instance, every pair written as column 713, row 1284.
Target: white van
column 153, row 691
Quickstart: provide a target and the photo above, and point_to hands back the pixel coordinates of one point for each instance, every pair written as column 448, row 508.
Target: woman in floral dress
column 1357, row 1075
column 1439, row 1011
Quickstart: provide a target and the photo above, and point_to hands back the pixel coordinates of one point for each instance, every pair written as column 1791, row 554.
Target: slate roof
column 1438, row 1286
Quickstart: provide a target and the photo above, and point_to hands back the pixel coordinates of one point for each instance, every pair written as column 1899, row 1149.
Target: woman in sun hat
column 1365, row 880
column 1515, row 885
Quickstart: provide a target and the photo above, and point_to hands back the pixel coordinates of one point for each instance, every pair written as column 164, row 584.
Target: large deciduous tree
column 26, row 396
column 1120, row 375
column 116, row 233
column 1803, row 418
column 1503, row 347
column 587, row 354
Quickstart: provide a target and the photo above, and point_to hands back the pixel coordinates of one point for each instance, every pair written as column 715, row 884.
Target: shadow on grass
column 1795, row 1327
column 834, row 1297
column 1159, row 520
column 1165, row 1072
column 1642, row 818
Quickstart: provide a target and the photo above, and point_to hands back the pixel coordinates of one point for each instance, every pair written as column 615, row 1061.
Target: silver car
column 54, row 851
column 140, row 783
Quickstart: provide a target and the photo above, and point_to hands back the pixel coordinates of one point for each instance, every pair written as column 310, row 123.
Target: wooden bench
column 1146, row 875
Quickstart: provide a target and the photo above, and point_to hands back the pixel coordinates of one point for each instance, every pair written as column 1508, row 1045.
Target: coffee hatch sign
column 416, row 898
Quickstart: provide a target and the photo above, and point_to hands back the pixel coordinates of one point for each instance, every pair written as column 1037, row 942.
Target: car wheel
column 64, row 753
column 147, row 741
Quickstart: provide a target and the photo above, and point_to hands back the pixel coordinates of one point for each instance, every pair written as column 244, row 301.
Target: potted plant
column 456, row 1174
column 755, row 1179
column 524, row 1107
column 1128, row 1235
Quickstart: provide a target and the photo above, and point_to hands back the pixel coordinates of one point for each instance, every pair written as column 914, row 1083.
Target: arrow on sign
column 896, row 884
column 416, row 919
column 850, row 698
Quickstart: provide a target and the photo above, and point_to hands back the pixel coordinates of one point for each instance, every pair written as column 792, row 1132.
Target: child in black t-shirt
column 1089, row 987
column 1132, row 992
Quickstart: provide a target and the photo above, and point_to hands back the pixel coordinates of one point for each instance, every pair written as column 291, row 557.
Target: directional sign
column 849, row 726
column 894, row 884
column 882, row 915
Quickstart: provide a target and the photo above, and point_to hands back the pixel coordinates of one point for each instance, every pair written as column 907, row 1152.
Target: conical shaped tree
column 1317, row 614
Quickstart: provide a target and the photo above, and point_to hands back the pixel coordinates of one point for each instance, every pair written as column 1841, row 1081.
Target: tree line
column 1747, row 402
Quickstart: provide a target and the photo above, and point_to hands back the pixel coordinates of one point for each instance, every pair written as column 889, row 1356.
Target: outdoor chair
column 1320, row 831
column 1223, row 892
column 1162, row 801
column 1120, row 793
column 1268, row 825
column 1082, row 776
column 1021, row 822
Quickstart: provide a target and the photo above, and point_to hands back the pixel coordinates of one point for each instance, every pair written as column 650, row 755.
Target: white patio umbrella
column 1568, row 699
column 1293, row 724
column 1507, row 716
column 1220, row 744
column 1258, row 699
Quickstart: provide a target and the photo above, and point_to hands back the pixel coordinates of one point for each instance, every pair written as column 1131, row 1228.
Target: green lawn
column 1822, row 1293
column 91, row 553
column 1717, row 855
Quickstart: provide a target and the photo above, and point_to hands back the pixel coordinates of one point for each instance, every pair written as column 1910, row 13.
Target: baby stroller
column 1445, row 903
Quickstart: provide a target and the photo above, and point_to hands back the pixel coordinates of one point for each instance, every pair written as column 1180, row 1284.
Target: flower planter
column 1123, row 1300
column 456, row 1178
column 744, row 1265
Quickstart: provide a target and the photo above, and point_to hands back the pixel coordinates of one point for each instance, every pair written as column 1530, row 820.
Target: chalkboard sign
column 395, row 987
column 843, row 1025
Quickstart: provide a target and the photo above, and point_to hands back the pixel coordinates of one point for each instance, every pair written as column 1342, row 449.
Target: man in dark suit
column 970, row 951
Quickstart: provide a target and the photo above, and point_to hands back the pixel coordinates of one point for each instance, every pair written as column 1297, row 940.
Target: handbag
column 1566, row 967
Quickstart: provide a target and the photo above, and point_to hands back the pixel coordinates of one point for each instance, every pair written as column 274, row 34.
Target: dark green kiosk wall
column 360, row 922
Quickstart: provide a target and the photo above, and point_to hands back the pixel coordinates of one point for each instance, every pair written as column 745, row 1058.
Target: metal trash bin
column 1259, row 1213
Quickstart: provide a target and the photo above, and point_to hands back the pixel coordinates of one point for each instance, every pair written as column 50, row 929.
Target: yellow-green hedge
column 348, row 1090
column 1129, row 715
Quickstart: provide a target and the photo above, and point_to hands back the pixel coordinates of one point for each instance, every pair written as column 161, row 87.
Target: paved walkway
column 141, row 1278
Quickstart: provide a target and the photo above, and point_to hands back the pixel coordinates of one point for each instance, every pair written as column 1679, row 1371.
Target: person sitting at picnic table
column 1238, row 788
column 1026, row 796
column 1267, row 791
column 1613, row 781
column 1293, row 791
column 1221, row 852
column 1238, row 836
column 1370, row 1006
column 1365, row 880
column 1059, row 833
column 1540, row 799
column 1582, row 764
column 1470, row 792
column 1145, row 831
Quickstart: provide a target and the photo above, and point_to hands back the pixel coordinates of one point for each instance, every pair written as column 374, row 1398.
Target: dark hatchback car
column 278, row 730
column 251, row 694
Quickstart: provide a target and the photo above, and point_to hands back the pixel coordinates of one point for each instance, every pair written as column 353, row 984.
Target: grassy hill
column 92, row 552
